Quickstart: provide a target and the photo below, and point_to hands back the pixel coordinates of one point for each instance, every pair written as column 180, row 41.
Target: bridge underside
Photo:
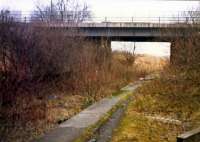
column 104, row 43
column 107, row 35
column 103, row 33
column 132, row 39
column 103, row 36
column 133, row 34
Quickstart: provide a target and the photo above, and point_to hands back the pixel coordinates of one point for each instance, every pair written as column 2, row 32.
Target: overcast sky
column 115, row 8
column 127, row 8
column 152, row 48
column 122, row 8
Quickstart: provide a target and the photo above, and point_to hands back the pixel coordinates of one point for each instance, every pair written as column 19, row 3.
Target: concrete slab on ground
column 71, row 129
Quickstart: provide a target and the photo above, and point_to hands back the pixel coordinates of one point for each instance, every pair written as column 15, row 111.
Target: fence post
column 25, row 19
column 190, row 136
column 178, row 19
column 105, row 19
column 132, row 19
column 187, row 20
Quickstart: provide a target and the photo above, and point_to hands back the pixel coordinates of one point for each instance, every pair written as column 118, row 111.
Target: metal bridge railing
column 164, row 20
column 169, row 20
column 34, row 17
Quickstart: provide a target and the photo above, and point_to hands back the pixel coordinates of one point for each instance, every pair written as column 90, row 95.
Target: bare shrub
column 69, row 11
column 185, row 49
column 35, row 62
column 31, row 57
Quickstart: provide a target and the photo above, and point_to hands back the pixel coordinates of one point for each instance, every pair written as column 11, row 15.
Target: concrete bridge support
column 103, row 50
column 173, row 53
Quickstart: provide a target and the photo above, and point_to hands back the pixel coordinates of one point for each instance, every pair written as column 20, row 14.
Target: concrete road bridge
column 160, row 30
column 137, row 29
column 117, row 31
column 130, row 29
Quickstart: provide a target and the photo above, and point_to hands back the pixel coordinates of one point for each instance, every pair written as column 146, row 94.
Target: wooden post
column 190, row 136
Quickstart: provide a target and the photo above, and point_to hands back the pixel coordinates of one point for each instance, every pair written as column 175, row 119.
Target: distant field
column 151, row 63
column 144, row 62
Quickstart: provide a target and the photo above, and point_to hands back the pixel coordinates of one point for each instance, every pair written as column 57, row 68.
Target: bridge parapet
column 121, row 25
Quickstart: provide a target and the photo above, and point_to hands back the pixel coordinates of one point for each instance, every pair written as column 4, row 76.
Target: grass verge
column 173, row 97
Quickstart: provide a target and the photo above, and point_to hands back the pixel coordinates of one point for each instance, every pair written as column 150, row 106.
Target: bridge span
column 119, row 28
column 118, row 31
column 105, row 32
column 160, row 29
column 102, row 31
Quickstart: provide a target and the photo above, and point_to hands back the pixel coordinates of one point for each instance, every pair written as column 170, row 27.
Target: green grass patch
column 117, row 93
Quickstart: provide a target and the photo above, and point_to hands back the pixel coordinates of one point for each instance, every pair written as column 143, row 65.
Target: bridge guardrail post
column 178, row 19
column 187, row 20
column 24, row 19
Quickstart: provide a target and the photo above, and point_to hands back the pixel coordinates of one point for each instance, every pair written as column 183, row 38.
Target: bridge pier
column 105, row 43
column 173, row 53
column 103, row 50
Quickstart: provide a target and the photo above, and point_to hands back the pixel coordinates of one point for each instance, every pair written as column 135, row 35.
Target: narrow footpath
column 73, row 128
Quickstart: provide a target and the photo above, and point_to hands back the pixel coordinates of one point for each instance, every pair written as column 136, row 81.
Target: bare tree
column 62, row 11
column 185, row 46
column 192, row 16
column 129, row 55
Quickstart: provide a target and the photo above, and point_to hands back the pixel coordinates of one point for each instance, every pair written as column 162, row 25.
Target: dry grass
column 42, row 108
column 174, row 95
column 150, row 63
column 46, row 78
column 135, row 127
column 143, row 64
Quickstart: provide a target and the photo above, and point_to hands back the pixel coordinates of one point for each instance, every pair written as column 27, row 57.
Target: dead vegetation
column 174, row 96
column 45, row 78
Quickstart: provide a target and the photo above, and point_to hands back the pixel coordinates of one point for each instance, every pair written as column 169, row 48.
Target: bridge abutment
column 103, row 50
column 173, row 52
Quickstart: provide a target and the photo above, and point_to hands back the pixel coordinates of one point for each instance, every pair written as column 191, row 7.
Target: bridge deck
column 122, row 25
